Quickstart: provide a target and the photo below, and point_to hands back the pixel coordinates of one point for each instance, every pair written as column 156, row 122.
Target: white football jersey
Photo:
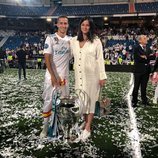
column 60, row 49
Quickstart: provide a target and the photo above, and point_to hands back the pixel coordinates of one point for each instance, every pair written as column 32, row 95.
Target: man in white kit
column 57, row 55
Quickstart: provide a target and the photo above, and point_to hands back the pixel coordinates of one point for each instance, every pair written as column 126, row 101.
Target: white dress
column 89, row 69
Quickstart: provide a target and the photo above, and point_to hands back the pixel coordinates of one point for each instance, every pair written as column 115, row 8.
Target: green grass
column 21, row 121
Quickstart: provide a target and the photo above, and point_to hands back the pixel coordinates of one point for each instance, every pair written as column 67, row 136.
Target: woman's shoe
column 77, row 139
column 154, row 101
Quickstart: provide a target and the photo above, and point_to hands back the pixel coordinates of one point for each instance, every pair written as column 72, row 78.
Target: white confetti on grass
column 133, row 133
column 25, row 140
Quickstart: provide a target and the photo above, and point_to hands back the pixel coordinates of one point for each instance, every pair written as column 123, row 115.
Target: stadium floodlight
column 49, row 20
column 105, row 18
column 124, row 15
column 147, row 14
column 3, row 16
column 25, row 1
column 17, row 1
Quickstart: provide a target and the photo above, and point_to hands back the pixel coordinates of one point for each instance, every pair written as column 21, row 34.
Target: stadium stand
column 16, row 41
column 118, row 43
column 24, row 2
column 79, row 10
column 11, row 10
column 91, row 10
column 146, row 7
column 112, row 42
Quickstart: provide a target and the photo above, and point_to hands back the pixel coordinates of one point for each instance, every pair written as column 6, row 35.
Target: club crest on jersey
column 56, row 40
column 46, row 46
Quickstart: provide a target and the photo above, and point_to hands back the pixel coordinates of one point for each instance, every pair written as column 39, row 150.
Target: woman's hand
column 61, row 82
column 102, row 82
column 55, row 82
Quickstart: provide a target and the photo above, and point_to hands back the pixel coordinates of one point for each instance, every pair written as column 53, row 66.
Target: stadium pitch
column 21, row 121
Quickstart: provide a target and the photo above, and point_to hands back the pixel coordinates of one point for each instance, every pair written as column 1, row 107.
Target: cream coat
column 89, row 69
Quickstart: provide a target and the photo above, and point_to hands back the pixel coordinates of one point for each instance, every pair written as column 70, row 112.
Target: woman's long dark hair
column 91, row 33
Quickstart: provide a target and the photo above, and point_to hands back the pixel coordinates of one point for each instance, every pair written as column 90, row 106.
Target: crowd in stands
column 118, row 45
column 33, row 42
column 4, row 33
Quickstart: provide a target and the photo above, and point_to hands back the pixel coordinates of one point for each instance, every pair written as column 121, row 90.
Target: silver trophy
column 68, row 111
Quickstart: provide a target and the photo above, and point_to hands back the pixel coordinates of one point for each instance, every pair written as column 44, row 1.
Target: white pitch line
column 133, row 133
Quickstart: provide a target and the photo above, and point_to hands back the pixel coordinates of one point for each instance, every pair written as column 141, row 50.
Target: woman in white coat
column 89, row 68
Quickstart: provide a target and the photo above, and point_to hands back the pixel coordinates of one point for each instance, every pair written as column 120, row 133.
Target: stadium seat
column 91, row 10
column 12, row 10
column 146, row 7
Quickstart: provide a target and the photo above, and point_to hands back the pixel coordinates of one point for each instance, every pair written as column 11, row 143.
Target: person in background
column 21, row 56
column 57, row 55
column 89, row 69
column 142, row 57
column 154, row 79
column 39, row 62
column 3, row 58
